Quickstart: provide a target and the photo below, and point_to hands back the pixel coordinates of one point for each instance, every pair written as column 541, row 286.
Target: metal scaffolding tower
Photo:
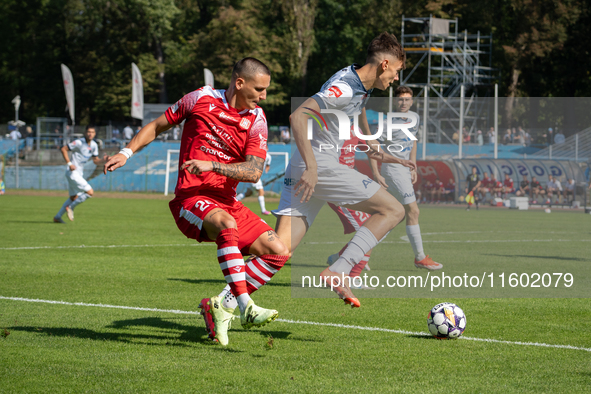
column 443, row 61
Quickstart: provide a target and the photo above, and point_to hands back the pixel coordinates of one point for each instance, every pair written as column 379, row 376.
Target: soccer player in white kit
column 399, row 180
column 80, row 190
column 260, row 187
column 314, row 175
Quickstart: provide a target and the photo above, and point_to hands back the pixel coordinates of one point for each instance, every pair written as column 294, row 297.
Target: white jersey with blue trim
column 82, row 152
column 345, row 92
column 401, row 145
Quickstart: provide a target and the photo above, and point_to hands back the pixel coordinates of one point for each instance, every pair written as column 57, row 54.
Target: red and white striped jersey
column 215, row 131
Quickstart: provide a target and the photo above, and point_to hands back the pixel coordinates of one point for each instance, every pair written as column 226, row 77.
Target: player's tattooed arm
column 247, row 171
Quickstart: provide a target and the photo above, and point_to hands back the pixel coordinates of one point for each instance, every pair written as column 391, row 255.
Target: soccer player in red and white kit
column 224, row 142
column 508, row 186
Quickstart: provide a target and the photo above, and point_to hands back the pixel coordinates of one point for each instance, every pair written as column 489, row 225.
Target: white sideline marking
column 288, row 321
column 465, row 241
column 102, row 246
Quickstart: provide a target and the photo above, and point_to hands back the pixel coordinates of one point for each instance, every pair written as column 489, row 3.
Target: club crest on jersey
column 245, row 123
column 334, row 91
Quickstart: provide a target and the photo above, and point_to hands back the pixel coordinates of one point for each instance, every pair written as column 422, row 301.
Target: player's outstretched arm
column 299, row 126
column 247, row 171
column 146, row 135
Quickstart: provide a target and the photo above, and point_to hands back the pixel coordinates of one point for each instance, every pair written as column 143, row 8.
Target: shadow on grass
column 538, row 257
column 32, row 221
column 286, row 335
column 168, row 333
column 423, row 337
column 223, row 282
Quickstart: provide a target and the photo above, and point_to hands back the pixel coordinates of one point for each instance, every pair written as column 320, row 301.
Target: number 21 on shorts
column 203, row 204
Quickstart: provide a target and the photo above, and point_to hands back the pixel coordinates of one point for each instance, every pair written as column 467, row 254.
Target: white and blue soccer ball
column 446, row 321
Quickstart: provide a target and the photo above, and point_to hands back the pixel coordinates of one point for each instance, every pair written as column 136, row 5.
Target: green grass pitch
column 87, row 348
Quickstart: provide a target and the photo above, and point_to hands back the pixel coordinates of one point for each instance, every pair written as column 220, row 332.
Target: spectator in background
column 527, row 139
column 127, row 133
column 491, row 135
column 285, row 137
column 569, row 189
column 30, row 138
column 450, row 190
column 496, row 186
column 137, row 129
column 507, row 137
column 553, row 187
column 456, row 137
column 479, row 138
column 559, row 137
column 2, row 187
column 466, row 135
column 508, row 187
column 485, row 185
column 524, row 188
column 536, row 189
column 549, row 136
column 15, row 134
column 116, row 134
column 514, row 136
column 176, row 133
column 521, row 135
column 437, row 190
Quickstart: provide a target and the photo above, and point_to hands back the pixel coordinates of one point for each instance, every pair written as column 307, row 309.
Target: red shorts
column 352, row 220
column 190, row 212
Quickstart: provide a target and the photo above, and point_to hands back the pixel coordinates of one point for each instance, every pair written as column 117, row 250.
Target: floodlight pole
column 496, row 136
column 425, row 122
column 461, row 133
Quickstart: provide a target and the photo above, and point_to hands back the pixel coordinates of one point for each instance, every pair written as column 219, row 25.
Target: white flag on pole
column 137, row 93
column 69, row 88
column 208, row 77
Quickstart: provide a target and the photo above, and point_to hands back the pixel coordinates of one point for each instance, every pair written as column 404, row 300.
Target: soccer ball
column 446, row 321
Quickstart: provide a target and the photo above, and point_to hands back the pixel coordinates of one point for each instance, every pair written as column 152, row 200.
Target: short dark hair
column 385, row 43
column 400, row 90
column 91, row 126
column 248, row 68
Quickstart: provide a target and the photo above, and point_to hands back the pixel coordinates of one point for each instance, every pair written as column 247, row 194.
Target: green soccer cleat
column 218, row 319
column 255, row 316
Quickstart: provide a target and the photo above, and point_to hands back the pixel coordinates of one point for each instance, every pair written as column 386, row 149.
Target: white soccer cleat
column 255, row 316
column 218, row 319
column 70, row 213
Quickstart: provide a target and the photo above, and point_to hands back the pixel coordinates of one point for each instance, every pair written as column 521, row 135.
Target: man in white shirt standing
column 80, row 190
column 127, row 133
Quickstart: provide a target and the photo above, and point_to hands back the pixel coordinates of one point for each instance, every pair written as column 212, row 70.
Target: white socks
column 360, row 244
column 81, row 198
column 262, row 203
column 414, row 236
column 63, row 208
column 239, row 196
column 228, row 299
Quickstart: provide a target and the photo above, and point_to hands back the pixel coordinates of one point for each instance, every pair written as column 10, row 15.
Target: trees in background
column 540, row 47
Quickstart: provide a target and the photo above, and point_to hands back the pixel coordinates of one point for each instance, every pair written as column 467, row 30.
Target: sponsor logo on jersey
column 334, row 91
column 245, row 123
column 211, row 107
column 223, row 115
column 237, row 269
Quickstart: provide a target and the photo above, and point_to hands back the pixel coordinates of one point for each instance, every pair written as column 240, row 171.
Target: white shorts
column 258, row 185
column 399, row 182
column 76, row 183
column 337, row 184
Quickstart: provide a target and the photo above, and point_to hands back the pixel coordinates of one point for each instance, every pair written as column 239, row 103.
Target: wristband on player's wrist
column 69, row 163
column 126, row 152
